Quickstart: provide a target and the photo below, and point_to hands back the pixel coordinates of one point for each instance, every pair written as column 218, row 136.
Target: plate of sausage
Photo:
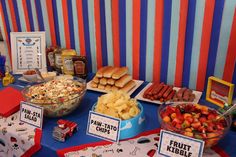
column 159, row 93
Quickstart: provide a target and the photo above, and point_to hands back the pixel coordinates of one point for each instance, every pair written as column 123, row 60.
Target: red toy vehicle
column 64, row 130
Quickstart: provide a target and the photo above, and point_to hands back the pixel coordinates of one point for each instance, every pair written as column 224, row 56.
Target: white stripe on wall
column 129, row 39
column 61, row 23
column 92, row 34
column 174, row 33
column 36, row 28
column 46, row 23
column 109, row 32
column 9, row 15
column 21, row 15
column 226, row 24
column 150, row 39
column 197, row 36
column 76, row 26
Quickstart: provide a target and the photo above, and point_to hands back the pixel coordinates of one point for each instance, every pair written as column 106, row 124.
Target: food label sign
column 31, row 114
column 172, row 144
column 104, row 127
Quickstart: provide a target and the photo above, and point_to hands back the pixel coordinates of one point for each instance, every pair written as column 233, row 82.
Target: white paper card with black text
column 173, row 144
column 31, row 114
column 104, row 127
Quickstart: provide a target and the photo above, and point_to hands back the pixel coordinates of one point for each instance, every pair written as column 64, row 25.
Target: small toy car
column 64, row 130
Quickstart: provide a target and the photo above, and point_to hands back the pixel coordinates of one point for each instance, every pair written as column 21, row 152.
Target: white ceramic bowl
column 30, row 77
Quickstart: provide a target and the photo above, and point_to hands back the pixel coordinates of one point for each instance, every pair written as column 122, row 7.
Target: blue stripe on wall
column 86, row 34
column 143, row 39
column 215, row 35
column 189, row 42
column 17, row 15
column 56, row 25
column 30, row 15
column 6, row 19
column 71, row 24
column 40, row 16
column 103, row 32
column 122, row 33
column 165, row 39
column 8, row 15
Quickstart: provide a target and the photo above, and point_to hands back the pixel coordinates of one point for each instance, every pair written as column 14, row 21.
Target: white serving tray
column 139, row 96
column 137, row 82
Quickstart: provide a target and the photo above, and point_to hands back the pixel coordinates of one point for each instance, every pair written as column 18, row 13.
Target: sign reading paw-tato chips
column 104, row 127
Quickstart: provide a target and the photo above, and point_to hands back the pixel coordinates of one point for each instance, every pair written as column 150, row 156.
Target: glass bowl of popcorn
column 58, row 97
column 119, row 105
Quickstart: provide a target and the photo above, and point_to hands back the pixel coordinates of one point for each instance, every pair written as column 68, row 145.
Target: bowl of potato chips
column 119, row 105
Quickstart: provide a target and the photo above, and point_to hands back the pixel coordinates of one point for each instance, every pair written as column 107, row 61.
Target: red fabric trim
column 61, row 152
column 37, row 146
column 220, row 151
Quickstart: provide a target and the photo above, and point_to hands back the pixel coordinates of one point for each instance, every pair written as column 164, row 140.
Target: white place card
column 28, row 51
column 31, row 114
column 104, row 127
column 172, row 144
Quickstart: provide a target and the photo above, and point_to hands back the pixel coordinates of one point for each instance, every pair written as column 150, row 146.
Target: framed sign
column 219, row 91
column 28, row 51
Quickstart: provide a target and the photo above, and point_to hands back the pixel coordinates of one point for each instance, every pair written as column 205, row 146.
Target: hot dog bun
column 103, row 81
column 120, row 72
column 130, row 85
column 110, row 81
column 123, row 80
column 110, row 71
column 100, row 72
column 94, row 85
column 96, row 79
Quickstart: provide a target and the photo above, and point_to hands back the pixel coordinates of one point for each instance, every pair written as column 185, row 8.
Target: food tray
column 139, row 96
column 137, row 82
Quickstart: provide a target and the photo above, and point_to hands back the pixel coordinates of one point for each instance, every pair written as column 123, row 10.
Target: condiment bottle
column 58, row 60
column 80, row 66
column 50, row 57
column 67, row 62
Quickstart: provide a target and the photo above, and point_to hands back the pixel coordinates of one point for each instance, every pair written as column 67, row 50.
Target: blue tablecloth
column 80, row 116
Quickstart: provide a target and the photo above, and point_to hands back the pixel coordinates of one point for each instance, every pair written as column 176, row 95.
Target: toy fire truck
column 64, row 130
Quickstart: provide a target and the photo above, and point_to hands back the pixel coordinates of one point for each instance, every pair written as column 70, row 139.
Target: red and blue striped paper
column 180, row 42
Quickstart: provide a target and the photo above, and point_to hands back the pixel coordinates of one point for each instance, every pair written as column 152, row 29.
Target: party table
column 49, row 146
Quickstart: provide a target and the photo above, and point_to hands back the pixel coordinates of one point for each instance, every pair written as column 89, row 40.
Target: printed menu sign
column 104, row 127
column 172, row 144
column 28, row 51
column 31, row 114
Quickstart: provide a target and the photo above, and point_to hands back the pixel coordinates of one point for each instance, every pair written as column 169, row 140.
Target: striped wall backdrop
column 180, row 42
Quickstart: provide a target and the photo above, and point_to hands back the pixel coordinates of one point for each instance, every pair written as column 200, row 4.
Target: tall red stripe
column 158, row 40
column 66, row 23
column 26, row 15
column 51, row 22
column 231, row 53
column 5, row 32
column 181, row 42
column 81, row 27
column 98, row 33
column 13, row 16
column 136, row 37
column 205, row 43
column 115, row 31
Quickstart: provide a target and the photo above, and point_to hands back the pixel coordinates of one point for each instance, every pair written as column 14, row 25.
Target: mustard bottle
column 67, row 55
column 8, row 79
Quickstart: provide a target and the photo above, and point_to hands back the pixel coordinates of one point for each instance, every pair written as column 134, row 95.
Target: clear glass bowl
column 210, row 138
column 58, row 106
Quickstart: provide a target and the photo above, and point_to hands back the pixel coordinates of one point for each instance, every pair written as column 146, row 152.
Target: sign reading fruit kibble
column 172, row 144
column 104, row 127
